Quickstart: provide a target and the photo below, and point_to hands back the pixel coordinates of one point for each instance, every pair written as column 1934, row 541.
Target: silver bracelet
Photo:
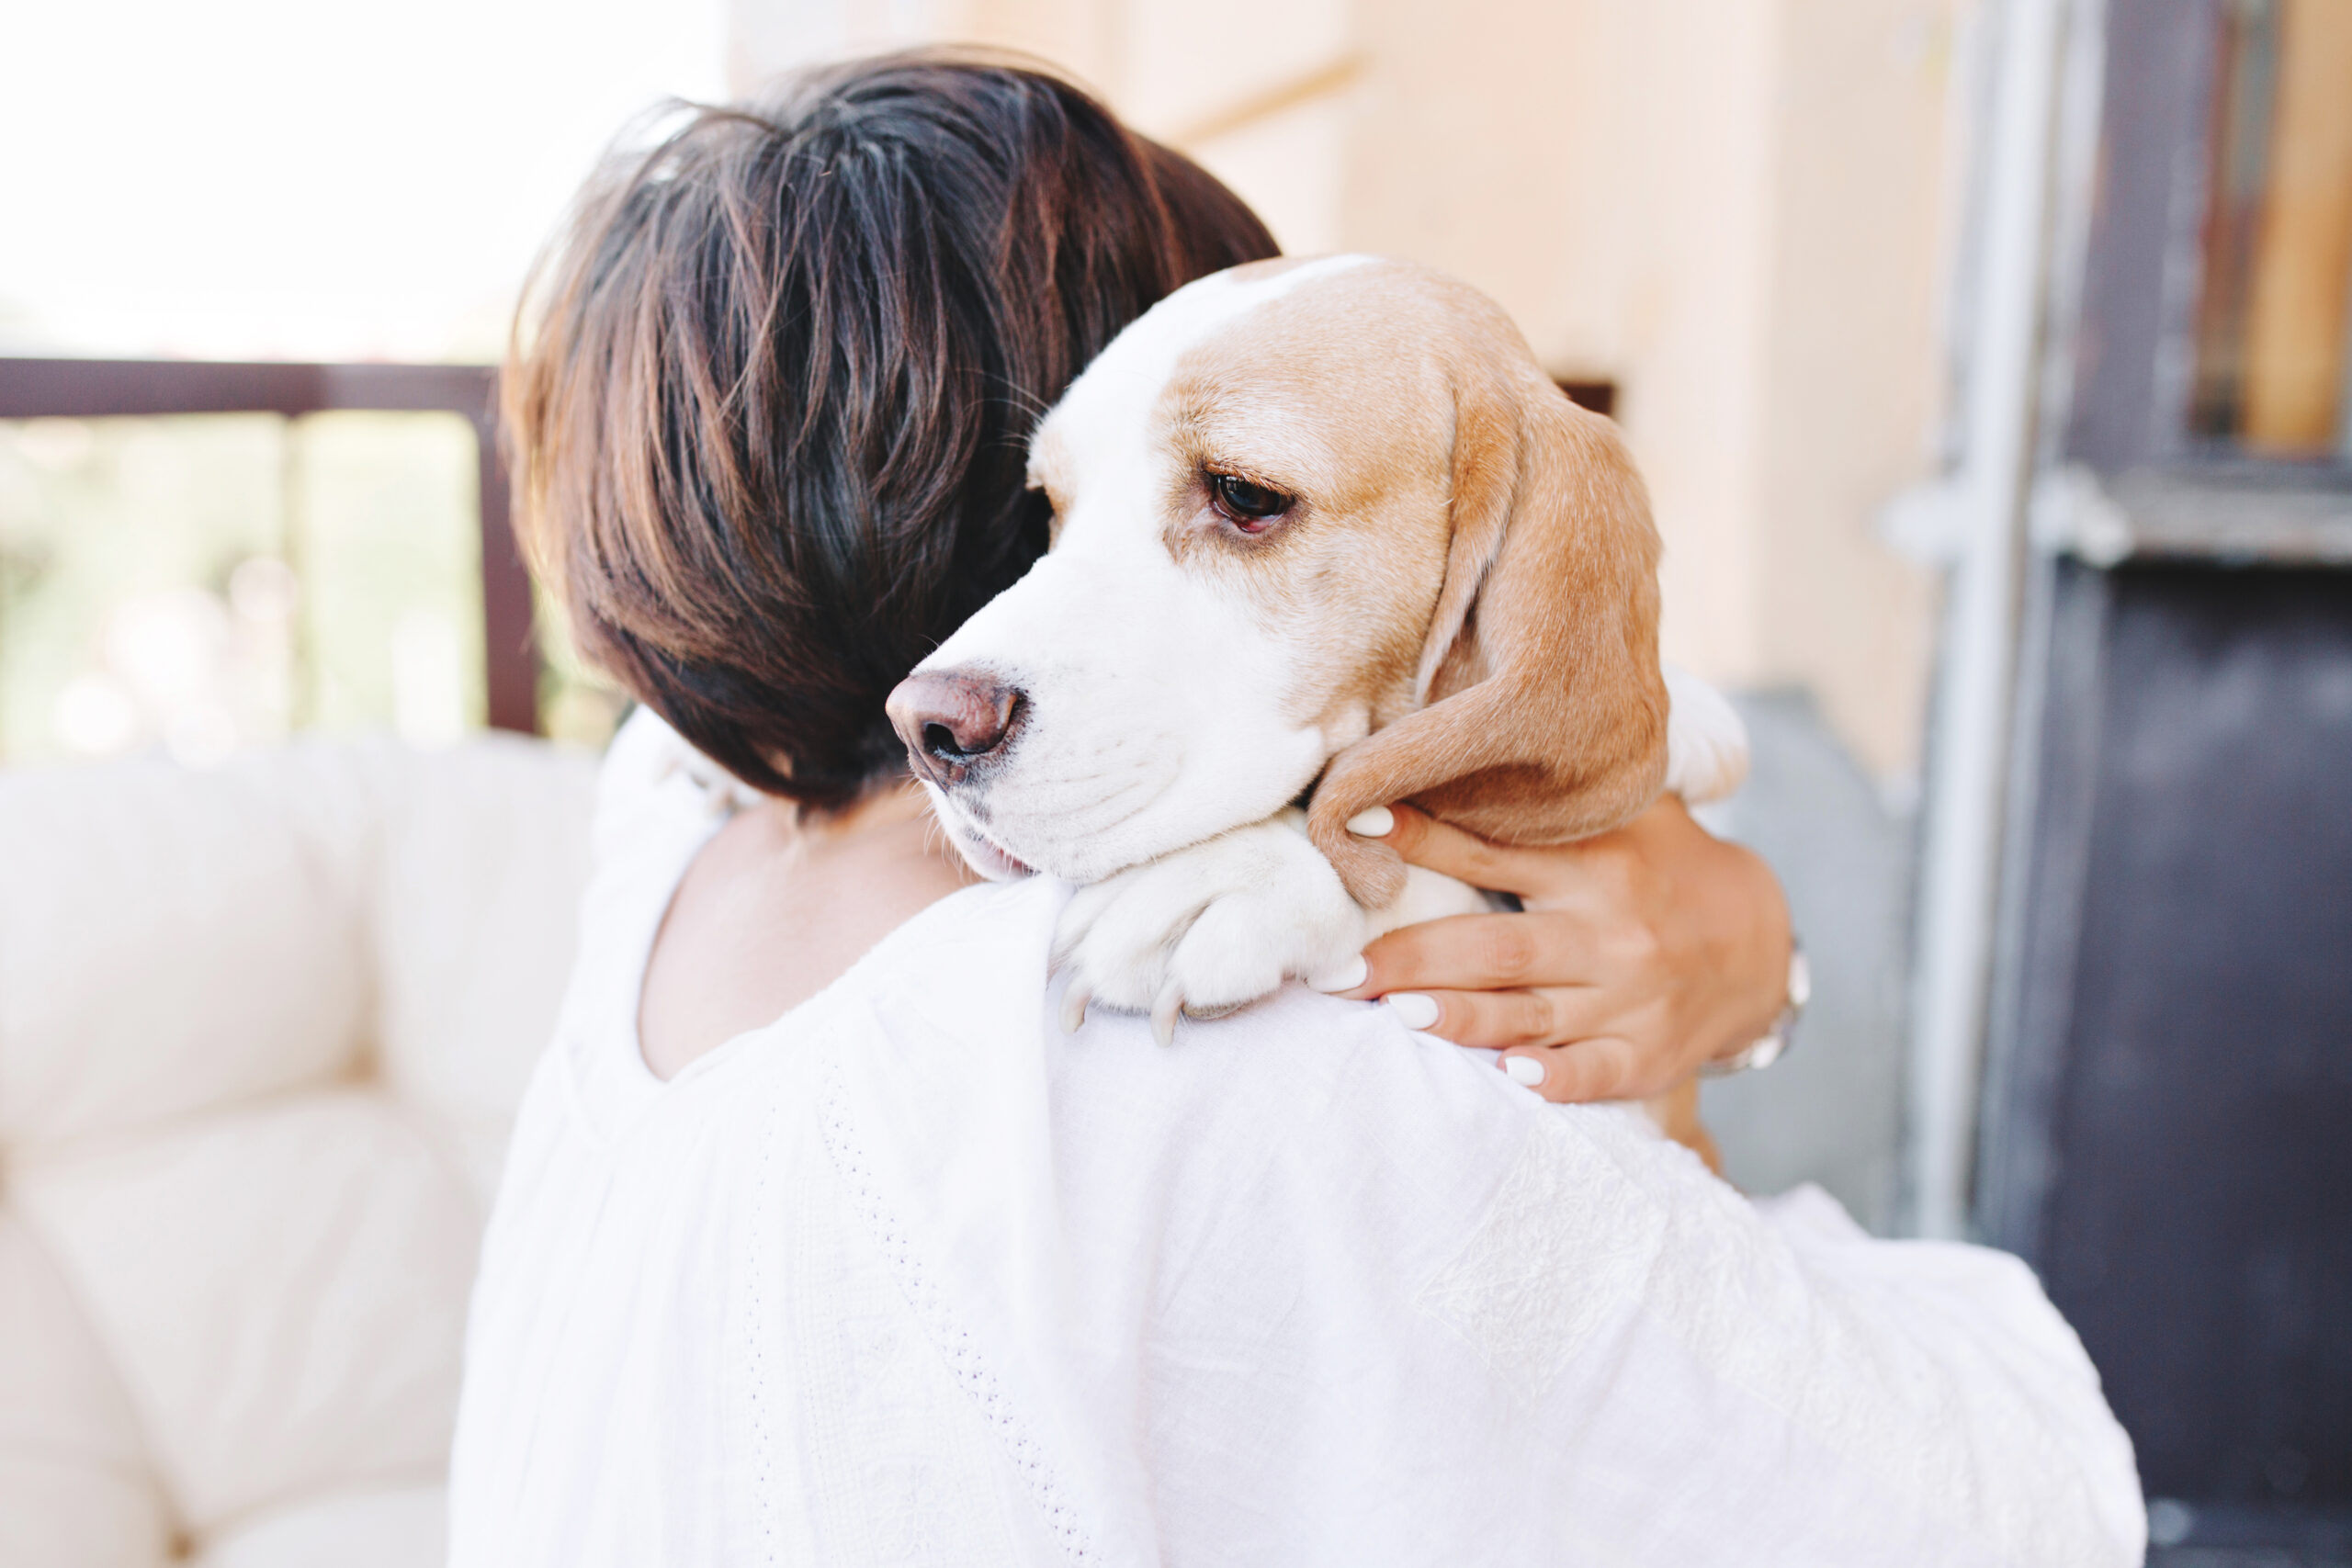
column 1774, row 1043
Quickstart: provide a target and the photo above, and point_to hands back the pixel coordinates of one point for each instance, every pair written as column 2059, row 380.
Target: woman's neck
column 776, row 906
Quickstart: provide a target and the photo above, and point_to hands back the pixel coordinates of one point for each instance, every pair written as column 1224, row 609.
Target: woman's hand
column 1641, row 954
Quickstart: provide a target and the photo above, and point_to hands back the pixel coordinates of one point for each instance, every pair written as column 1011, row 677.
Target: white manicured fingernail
column 1413, row 1009
column 1346, row 977
column 1376, row 823
column 1524, row 1070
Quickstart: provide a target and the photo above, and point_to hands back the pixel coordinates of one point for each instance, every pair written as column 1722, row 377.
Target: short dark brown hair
column 771, row 387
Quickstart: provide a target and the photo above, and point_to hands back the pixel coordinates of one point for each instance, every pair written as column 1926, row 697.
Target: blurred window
column 200, row 582
column 2270, row 330
column 286, row 198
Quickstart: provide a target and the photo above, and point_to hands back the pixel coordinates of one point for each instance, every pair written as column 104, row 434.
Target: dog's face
column 1279, row 499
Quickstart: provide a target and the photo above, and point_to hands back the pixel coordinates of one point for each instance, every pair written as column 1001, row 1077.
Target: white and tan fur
column 1459, row 609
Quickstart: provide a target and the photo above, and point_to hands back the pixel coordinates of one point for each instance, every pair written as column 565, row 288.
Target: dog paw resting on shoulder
column 1208, row 929
column 1219, row 925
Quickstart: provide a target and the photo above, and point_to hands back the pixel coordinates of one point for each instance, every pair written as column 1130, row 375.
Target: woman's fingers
column 1536, row 1031
column 1481, row 952
column 1554, row 1038
column 1583, row 1070
column 1423, row 841
column 1496, row 1020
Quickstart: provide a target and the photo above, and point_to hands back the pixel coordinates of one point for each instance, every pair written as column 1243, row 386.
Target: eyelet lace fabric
column 965, row 1358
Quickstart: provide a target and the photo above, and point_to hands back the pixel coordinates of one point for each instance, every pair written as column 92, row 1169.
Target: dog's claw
column 1074, row 1002
column 1163, row 1015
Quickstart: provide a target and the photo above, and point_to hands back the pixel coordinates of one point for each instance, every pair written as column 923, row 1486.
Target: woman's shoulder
column 651, row 775
column 652, row 816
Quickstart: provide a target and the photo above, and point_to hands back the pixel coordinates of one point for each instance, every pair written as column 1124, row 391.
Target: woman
column 815, row 1245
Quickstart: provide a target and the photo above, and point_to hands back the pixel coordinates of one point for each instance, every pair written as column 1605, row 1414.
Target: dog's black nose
column 951, row 718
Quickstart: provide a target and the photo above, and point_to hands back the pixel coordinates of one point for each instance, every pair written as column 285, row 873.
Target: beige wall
column 1852, row 360
column 1731, row 207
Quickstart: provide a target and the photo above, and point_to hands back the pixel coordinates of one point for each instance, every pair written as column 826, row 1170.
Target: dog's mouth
column 988, row 857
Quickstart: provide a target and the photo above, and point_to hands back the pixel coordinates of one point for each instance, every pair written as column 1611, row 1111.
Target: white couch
column 261, row 1034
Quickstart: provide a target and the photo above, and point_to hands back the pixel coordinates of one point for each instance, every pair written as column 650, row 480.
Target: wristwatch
column 1774, row 1043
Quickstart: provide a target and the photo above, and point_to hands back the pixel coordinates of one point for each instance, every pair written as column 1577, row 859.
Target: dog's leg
column 1706, row 744
column 1209, row 927
column 1218, row 925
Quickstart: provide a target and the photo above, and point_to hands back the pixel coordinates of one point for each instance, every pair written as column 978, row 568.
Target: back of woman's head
column 768, row 402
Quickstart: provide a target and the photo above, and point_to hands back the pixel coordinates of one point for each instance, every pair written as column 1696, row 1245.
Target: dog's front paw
column 1208, row 929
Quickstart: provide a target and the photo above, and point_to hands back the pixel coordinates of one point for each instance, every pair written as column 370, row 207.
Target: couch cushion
column 75, row 1488
column 171, row 941
column 262, row 1032
column 282, row 1290
column 362, row 1529
column 476, row 913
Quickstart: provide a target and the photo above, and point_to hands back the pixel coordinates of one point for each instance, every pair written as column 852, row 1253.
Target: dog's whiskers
column 1086, row 820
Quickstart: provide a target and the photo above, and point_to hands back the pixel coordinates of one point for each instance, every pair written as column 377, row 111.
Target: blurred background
column 1986, row 359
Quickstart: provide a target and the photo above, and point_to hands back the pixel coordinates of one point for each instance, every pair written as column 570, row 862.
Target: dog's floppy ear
column 1543, row 715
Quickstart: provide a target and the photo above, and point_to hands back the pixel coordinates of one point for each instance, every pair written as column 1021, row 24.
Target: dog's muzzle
column 954, row 720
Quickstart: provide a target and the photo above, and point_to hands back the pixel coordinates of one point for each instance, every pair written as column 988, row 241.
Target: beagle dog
column 1325, row 538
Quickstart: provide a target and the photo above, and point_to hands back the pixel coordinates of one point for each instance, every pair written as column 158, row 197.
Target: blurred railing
column 100, row 389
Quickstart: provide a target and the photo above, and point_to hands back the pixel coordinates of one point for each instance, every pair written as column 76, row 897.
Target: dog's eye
column 1252, row 508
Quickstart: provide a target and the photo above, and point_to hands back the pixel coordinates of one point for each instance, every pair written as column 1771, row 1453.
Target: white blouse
column 909, row 1277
